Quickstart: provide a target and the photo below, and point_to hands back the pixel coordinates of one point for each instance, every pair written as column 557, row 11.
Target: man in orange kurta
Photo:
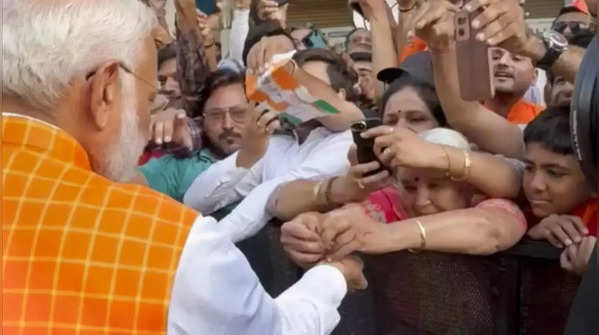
column 110, row 269
column 83, row 254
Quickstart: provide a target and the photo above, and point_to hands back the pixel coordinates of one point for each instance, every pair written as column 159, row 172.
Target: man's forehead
column 360, row 33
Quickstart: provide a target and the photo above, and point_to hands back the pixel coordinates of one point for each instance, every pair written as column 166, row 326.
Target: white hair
column 118, row 160
column 47, row 43
column 447, row 137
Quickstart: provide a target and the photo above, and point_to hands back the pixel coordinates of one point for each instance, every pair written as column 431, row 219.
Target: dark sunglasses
column 575, row 27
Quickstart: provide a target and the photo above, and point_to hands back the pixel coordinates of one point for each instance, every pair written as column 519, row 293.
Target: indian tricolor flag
column 276, row 89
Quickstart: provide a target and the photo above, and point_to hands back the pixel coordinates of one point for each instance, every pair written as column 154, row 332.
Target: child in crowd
column 563, row 206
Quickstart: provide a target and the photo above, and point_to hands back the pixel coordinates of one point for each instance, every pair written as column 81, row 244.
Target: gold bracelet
column 448, row 173
column 422, row 237
column 467, row 165
column 316, row 191
column 329, row 190
column 468, row 162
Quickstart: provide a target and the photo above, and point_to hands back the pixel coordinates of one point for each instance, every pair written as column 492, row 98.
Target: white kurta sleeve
column 221, row 184
column 216, row 292
column 326, row 161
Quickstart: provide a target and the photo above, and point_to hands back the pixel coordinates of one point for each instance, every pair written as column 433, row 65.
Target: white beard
column 119, row 163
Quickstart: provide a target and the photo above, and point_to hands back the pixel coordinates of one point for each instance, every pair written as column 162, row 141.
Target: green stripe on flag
column 325, row 107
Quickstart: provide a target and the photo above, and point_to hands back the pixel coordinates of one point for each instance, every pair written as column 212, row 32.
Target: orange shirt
column 81, row 254
column 588, row 214
column 523, row 112
column 414, row 46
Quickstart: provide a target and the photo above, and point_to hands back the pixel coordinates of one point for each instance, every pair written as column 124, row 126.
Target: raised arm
column 381, row 21
column 348, row 112
column 301, row 196
column 503, row 24
column 472, row 119
column 261, row 55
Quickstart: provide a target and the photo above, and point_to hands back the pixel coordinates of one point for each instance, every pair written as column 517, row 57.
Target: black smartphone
column 365, row 146
column 207, row 7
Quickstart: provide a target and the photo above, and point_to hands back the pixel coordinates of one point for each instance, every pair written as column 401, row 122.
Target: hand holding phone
column 365, row 146
column 475, row 72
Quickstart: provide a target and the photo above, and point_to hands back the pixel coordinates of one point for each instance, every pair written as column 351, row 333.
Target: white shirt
column 240, row 27
column 216, row 292
column 322, row 155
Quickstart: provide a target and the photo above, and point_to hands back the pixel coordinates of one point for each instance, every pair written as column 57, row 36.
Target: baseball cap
column 419, row 66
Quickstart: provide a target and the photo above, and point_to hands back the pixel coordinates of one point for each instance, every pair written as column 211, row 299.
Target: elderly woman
column 438, row 206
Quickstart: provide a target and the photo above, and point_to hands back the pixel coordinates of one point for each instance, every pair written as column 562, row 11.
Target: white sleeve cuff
column 215, row 186
column 323, row 283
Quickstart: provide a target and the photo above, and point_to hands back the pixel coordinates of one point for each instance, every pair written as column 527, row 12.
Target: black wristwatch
column 556, row 45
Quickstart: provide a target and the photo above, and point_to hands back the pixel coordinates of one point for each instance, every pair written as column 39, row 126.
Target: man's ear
column 104, row 87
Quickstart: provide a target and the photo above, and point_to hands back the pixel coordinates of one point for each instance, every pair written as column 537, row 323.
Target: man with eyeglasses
column 225, row 123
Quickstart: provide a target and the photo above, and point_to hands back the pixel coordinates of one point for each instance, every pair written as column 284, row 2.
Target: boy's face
column 553, row 183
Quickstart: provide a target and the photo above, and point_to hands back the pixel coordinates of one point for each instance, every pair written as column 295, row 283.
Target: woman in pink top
column 437, row 204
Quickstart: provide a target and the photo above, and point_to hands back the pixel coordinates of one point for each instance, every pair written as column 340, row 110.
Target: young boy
column 562, row 202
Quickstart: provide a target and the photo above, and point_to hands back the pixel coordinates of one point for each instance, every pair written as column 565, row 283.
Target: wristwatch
column 556, row 45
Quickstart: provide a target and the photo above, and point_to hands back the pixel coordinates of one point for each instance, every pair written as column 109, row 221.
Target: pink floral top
column 386, row 206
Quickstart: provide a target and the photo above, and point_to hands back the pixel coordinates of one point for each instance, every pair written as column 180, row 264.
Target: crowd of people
column 123, row 120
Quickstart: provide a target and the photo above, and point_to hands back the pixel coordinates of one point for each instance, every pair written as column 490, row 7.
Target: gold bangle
column 329, row 190
column 448, row 173
column 422, row 237
column 467, row 165
column 317, row 190
column 468, row 162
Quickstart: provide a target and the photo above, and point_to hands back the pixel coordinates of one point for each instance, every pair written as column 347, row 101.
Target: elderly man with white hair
column 84, row 253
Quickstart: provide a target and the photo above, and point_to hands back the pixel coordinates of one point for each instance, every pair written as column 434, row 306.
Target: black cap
column 419, row 66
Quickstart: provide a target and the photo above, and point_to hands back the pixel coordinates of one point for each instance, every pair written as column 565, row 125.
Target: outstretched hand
column 302, row 241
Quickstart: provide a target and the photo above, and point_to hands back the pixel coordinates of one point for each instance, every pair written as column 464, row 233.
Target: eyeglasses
column 575, row 27
column 237, row 114
column 124, row 67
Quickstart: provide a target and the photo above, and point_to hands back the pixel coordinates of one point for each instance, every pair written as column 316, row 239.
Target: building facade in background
column 335, row 18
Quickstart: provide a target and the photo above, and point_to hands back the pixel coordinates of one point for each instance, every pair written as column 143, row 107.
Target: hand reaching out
column 434, row 23
column 262, row 53
column 501, row 23
column 171, row 126
column 301, row 239
column 352, row 269
column 350, row 229
column 302, row 242
column 270, row 10
column 560, row 230
column 575, row 258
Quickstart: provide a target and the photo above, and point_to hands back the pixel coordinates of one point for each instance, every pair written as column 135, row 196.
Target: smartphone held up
column 475, row 72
